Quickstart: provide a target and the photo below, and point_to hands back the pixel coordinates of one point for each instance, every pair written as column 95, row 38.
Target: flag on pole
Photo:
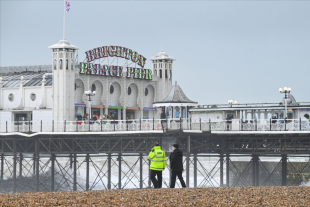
column 67, row 6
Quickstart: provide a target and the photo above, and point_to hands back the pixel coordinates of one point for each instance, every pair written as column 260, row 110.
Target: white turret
column 162, row 67
column 63, row 67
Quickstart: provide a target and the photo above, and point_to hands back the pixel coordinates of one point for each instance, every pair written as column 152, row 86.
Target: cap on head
column 176, row 146
column 156, row 144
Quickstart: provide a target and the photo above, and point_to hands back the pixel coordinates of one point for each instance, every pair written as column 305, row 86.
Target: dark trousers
column 174, row 175
column 156, row 182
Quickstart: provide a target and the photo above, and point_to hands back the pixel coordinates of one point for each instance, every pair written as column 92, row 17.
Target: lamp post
column 286, row 91
column 89, row 94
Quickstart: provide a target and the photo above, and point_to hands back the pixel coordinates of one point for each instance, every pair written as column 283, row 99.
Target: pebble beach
column 234, row 196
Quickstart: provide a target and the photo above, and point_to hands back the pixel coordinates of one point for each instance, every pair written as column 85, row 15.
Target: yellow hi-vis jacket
column 158, row 159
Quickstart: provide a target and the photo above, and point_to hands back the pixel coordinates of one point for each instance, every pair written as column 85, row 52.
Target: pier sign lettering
column 115, row 51
column 114, row 71
column 90, row 68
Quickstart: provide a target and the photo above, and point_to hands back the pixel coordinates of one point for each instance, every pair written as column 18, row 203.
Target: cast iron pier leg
column 221, row 170
column 119, row 171
column 14, row 173
column 227, row 170
column 141, row 171
column 149, row 174
column 195, row 170
column 2, row 168
column 109, row 171
column 37, row 172
column 33, row 165
column 187, row 160
column 14, row 166
column 284, row 169
column 52, row 172
column 20, row 165
column 87, row 172
column 74, row 172
column 255, row 169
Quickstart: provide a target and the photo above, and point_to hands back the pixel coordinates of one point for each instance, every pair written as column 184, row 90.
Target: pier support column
column 52, row 172
column 37, row 164
column 14, row 166
column 109, row 171
column 227, row 170
column 195, row 170
column 87, row 172
column 37, row 161
column 222, row 162
column 187, row 160
column 284, row 169
column 70, row 157
column 141, row 171
column 255, row 171
column 119, row 171
column 21, row 165
column 74, row 172
column 221, row 170
column 149, row 182
column 2, row 168
column 14, row 172
column 34, row 165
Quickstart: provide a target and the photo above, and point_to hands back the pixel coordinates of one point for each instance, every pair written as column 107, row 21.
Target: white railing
column 155, row 125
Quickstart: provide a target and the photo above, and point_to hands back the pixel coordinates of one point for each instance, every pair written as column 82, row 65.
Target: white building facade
column 57, row 92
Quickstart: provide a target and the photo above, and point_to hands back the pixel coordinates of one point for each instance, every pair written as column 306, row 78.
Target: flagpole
column 64, row 23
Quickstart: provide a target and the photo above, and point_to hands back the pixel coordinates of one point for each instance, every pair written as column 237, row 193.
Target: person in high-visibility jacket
column 158, row 164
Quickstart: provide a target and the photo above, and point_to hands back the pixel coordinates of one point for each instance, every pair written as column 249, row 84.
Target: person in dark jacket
column 176, row 164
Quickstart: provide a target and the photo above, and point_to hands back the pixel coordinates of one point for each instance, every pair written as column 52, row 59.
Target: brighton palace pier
column 45, row 116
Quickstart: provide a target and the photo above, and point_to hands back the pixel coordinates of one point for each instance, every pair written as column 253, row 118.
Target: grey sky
column 240, row 50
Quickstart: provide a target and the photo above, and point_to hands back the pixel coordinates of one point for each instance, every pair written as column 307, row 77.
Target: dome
column 162, row 53
column 63, row 44
column 162, row 56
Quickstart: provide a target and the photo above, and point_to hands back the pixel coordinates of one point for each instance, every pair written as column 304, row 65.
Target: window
column 11, row 97
column 71, row 64
column 55, row 64
column 60, row 64
column 170, row 74
column 166, row 73
column 155, row 72
column 93, row 87
column 160, row 73
column 33, row 96
column 129, row 91
column 67, row 64
column 75, row 86
column 111, row 89
column 146, row 92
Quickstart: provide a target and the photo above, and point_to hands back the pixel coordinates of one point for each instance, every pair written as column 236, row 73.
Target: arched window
column 71, row 64
column 55, row 64
column 129, row 91
column 93, row 87
column 111, row 89
column 160, row 73
column 60, row 64
column 155, row 72
column 166, row 73
column 67, row 64
column 170, row 74
column 146, row 92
